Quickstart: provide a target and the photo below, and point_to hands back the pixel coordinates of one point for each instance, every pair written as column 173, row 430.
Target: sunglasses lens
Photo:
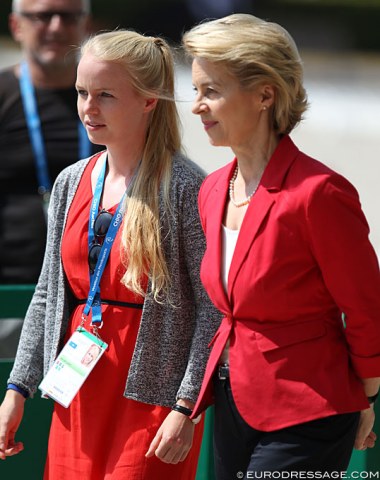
column 93, row 256
column 102, row 223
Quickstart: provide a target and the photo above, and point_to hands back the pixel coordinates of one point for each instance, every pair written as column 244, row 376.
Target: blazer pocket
column 289, row 335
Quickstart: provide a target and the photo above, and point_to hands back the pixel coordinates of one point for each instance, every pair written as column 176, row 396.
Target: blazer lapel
column 211, row 264
column 263, row 200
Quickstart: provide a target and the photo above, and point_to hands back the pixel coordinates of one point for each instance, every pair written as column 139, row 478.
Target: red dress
column 103, row 435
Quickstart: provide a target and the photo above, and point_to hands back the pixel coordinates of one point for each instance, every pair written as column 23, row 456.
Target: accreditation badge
column 72, row 366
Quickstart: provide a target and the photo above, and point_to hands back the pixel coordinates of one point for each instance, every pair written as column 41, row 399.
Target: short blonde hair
column 149, row 65
column 255, row 52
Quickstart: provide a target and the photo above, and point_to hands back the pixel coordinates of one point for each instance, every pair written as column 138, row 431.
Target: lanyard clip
column 84, row 318
column 95, row 330
column 97, row 325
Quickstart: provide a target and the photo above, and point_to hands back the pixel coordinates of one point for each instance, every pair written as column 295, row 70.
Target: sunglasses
column 44, row 18
column 101, row 226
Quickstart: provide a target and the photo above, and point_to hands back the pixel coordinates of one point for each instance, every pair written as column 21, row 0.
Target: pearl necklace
column 232, row 191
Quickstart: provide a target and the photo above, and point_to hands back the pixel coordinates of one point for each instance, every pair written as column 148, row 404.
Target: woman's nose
column 89, row 104
column 198, row 107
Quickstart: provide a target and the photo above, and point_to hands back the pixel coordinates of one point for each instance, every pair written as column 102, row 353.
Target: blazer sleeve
column 339, row 238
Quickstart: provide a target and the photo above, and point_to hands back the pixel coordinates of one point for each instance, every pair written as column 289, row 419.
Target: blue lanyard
column 35, row 132
column 93, row 300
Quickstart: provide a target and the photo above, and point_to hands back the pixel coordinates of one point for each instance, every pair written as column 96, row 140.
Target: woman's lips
column 94, row 125
column 208, row 125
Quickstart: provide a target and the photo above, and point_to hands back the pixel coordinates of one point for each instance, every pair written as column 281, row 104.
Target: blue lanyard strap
column 35, row 131
column 34, row 126
column 96, row 202
column 93, row 300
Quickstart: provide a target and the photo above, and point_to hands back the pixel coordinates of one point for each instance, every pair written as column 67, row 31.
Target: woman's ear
column 268, row 94
column 150, row 104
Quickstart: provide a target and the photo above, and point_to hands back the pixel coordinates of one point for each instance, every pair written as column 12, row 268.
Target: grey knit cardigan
column 171, row 350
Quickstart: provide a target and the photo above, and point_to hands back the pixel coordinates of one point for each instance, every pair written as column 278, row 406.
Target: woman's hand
column 11, row 413
column 173, row 439
column 365, row 436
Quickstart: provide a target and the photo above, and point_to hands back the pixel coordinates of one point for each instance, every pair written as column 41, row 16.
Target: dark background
column 314, row 24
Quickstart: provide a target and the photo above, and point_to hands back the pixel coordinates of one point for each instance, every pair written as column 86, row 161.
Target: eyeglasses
column 44, row 18
column 101, row 226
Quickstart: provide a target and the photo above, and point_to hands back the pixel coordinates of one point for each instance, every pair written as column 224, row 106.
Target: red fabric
column 103, row 435
column 302, row 257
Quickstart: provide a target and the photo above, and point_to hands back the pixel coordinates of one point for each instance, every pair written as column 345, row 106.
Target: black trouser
column 240, row 451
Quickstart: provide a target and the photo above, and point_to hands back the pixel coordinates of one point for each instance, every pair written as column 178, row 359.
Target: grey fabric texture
column 171, row 349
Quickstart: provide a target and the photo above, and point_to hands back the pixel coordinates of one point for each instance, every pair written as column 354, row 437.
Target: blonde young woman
column 130, row 419
column 287, row 253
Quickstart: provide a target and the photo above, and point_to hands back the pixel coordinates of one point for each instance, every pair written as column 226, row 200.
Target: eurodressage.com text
column 310, row 475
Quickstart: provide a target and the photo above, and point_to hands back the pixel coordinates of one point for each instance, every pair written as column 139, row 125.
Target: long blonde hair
column 150, row 67
column 255, row 52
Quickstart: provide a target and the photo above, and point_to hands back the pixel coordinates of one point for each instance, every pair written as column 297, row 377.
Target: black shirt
column 22, row 221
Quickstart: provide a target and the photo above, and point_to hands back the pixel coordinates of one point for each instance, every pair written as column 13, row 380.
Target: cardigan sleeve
column 28, row 367
column 45, row 316
column 339, row 237
column 207, row 318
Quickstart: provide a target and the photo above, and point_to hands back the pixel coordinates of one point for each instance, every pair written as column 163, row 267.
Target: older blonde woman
column 136, row 288
column 287, row 253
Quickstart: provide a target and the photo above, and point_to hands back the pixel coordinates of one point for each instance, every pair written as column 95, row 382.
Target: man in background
column 40, row 134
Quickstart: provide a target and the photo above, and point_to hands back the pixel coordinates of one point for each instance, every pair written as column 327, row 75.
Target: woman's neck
column 122, row 164
column 119, row 173
column 253, row 158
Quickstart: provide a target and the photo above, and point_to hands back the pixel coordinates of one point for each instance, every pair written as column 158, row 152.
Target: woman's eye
column 107, row 95
column 209, row 92
column 82, row 93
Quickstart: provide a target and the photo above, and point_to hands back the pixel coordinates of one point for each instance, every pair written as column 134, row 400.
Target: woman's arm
column 365, row 436
column 339, row 239
column 207, row 317
column 338, row 236
column 11, row 413
column 175, row 436
column 28, row 367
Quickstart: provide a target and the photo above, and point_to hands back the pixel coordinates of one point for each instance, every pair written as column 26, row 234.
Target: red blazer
column 302, row 257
